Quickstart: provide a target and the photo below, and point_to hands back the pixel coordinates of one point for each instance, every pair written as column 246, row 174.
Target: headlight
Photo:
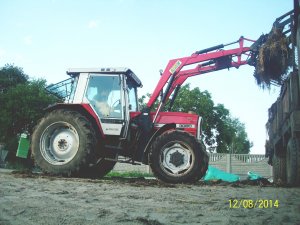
column 199, row 128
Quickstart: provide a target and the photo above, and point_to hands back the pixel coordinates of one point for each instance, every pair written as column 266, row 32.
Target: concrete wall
column 124, row 167
column 239, row 164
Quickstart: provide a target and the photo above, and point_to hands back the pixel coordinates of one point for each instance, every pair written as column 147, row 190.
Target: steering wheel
column 116, row 105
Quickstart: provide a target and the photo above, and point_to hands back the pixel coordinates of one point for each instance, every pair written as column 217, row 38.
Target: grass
column 134, row 174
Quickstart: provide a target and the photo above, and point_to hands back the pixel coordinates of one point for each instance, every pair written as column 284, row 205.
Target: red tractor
column 100, row 120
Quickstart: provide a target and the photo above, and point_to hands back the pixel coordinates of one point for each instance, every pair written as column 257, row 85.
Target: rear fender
column 84, row 109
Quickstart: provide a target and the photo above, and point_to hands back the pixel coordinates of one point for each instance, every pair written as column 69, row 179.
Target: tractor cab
column 111, row 93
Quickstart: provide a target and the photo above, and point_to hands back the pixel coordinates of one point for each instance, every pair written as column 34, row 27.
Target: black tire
column 293, row 162
column 205, row 159
column 279, row 169
column 177, row 157
column 63, row 143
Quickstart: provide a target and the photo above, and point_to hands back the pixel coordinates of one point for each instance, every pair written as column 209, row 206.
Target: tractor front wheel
column 177, row 157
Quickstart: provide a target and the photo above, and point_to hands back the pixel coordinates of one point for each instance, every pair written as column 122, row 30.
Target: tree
column 225, row 132
column 22, row 102
column 221, row 131
column 240, row 143
column 10, row 76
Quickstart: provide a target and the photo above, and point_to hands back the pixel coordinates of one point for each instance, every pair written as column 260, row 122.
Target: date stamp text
column 253, row 203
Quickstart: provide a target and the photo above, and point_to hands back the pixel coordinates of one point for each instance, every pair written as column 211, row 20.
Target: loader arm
column 204, row 61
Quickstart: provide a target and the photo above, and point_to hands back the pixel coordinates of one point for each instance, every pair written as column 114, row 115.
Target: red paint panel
column 89, row 109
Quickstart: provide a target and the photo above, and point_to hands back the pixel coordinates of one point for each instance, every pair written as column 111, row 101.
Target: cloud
column 27, row 40
column 92, row 24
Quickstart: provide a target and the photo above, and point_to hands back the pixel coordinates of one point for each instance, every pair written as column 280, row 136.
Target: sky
column 47, row 37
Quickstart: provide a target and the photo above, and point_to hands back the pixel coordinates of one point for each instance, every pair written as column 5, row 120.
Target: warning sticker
column 175, row 66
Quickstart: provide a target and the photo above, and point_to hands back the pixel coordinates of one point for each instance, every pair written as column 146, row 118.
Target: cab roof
column 108, row 70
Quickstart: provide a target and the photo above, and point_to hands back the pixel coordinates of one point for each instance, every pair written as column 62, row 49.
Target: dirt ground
column 37, row 199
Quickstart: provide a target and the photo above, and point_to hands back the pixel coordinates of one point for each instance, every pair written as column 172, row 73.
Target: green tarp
column 213, row 173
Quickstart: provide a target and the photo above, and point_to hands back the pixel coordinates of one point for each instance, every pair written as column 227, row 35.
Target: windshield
column 104, row 94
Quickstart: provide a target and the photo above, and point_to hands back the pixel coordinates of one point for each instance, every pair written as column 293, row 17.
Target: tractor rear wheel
column 177, row 157
column 63, row 143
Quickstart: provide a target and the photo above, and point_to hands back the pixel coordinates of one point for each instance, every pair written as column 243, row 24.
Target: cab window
column 132, row 97
column 104, row 94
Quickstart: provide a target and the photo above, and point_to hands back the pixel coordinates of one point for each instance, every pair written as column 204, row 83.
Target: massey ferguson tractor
column 100, row 119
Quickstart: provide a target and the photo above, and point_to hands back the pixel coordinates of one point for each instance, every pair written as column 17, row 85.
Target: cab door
column 131, row 103
column 105, row 94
